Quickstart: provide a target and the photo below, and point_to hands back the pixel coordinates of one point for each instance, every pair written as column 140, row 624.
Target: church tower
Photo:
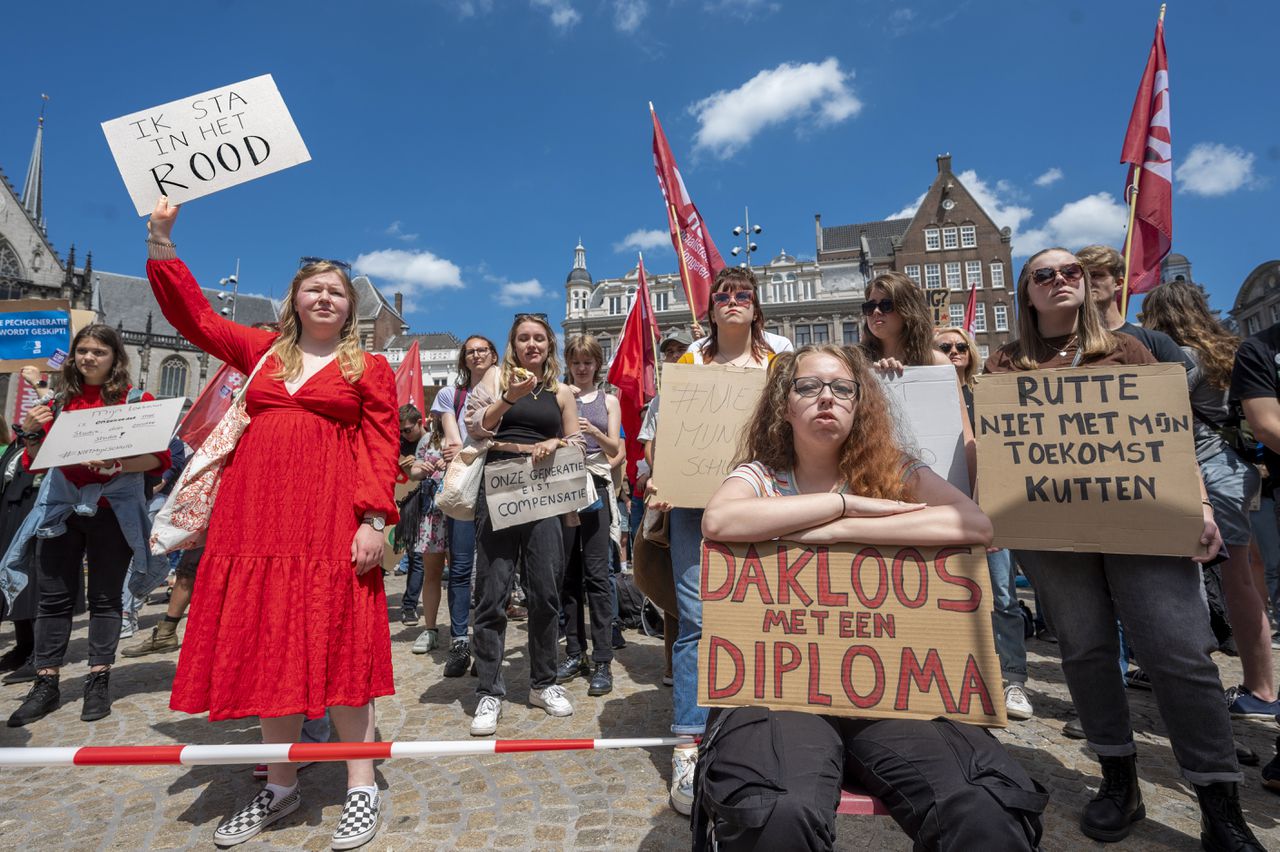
column 578, row 285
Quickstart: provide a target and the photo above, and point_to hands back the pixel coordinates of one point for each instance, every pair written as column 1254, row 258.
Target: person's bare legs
column 180, row 597
column 1247, row 610
column 432, row 570
column 356, row 725
column 282, row 729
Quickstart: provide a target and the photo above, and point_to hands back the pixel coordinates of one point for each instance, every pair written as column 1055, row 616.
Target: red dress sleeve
column 184, row 305
column 378, row 446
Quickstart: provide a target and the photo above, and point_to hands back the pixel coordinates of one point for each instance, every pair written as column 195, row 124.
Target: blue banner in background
column 33, row 334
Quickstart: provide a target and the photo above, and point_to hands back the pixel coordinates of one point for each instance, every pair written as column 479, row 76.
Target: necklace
column 1067, row 346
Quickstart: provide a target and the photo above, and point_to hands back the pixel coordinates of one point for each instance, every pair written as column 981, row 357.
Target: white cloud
column 812, row 92
column 471, row 8
column 1050, row 177
column 513, row 293
column 1215, row 169
column 629, row 14
column 998, row 201
column 413, row 273
column 1097, row 218
column 644, row 240
column 563, row 15
column 743, row 9
column 394, row 230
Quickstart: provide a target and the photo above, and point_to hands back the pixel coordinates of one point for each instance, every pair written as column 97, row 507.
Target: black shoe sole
column 596, row 692
column 86, row 716
column 1117, row 835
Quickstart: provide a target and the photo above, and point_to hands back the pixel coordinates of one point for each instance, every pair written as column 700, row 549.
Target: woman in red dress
column 289, row 616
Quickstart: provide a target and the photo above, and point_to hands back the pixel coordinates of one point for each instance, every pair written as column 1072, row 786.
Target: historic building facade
column 437, row 355
column 1257, row 304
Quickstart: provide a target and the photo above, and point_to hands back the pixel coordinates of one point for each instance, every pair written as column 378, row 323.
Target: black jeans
column 99, row 538
column 587, row 576
column 539, row 546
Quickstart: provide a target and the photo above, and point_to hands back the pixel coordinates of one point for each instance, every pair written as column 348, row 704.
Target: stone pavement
column 581, row 800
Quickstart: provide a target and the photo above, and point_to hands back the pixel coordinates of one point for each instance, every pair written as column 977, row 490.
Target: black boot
column 1118, row 803
column 573, row 666
column 97, row 698
column 601, row 680
column 23, row 674
column 1271, row 772
column 42, row 700
column 1222, row 825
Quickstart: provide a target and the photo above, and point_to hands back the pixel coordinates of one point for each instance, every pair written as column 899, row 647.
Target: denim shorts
column 1232, row 484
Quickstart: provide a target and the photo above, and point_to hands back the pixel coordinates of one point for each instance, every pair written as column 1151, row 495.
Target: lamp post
column 234, row 280
column 746, row 230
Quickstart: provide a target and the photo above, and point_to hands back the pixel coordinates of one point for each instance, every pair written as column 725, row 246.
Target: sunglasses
column 869, row 307
column 742, row 297
column 811, row 387
column 342, row 264
column 1045, row 275
column 959, row 347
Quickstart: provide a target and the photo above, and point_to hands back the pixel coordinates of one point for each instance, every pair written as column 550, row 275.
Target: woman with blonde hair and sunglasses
column 290, row 617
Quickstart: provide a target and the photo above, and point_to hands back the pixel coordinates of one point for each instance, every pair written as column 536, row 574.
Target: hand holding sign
column 163, row 217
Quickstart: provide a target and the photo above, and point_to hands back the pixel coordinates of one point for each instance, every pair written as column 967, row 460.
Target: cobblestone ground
column 604, row 800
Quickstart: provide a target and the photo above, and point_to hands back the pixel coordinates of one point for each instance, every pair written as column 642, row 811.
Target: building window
column 631, row 297
column 932, row 239
column 973, row 274
column 953, row 276
column 1002, row 317
column 661, row 300
column 806, row 288
column 802, row 335
column 615, row 304
column 1251, row 325
column 773, row 329
column 440, row 382
column 850, row 334
column 950, row 238
column 980, row 317
column 173, row 377
column 913, row 272
column 997, row 274
column 968, row 236
column 821, row 333
column 956, row 314
column 606, row 346
column 9, row 265
column 984, row 351
column 1275, row 314
column 932, row 276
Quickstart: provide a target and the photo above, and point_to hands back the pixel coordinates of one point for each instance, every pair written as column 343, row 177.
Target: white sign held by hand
column 109, row 432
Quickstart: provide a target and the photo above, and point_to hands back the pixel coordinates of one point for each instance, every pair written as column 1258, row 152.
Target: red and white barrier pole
column 209, row 755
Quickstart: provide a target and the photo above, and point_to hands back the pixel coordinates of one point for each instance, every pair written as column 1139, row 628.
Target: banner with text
column 849, row 630
column 703, row 410
column 109, row 432
column 199, row 145
column 519, row 491
column 32, row 331
column 1094, row 460
column 925, row 403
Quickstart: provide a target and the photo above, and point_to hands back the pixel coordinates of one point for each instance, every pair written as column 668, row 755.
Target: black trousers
column 587, row 578
column 99, row 538
column 771, row 780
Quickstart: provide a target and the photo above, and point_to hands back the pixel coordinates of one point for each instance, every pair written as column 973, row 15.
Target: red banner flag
column 633, row 370
column 1148, row 147
column 699, row 259
column 409, row 380
column 210, row 405
column 971, row 310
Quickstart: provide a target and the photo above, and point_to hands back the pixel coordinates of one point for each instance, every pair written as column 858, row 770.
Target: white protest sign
column 205, row 143
column 109, row 432
column 925, row 404
column 519, row 491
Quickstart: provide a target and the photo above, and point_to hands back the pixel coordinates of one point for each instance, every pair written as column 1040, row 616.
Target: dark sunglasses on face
column 809, row 386
column 869, row 307
column 959, row 347
column 742, row 297
column 1071, row 273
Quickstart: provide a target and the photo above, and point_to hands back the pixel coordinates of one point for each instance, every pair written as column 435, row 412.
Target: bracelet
column 163, row 243
column 1206, row 503
column 843, row 506
column 507, row 401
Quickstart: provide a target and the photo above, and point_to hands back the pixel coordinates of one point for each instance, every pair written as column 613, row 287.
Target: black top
column 1256, row 375
column 530, row 420
column 1160, row 345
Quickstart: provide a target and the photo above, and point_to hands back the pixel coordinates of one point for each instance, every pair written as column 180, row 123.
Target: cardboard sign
column 519, row 491
column 31, row 331
column 1094, row 460
column 199, row 145
column 703, row 411
column 849, row 630
column 939, row 307
column 926, row 406
column 109, row 432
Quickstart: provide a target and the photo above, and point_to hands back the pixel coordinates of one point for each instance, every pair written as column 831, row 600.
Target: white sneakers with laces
column 553, row 700
column 485, row 722
column 683, row 763
column 1016, row 704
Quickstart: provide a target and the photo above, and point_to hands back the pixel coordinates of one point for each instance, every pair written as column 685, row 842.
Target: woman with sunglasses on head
column 530, row 414
column 737, row 339
column 819, row 466
column 475, row 358
column 1157, row 598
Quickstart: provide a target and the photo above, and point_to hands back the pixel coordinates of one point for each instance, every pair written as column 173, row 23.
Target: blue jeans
column 635, row 519
column 316, row 730
column 1266, row 531
column 686, row 565
column 1006, row 618
column 412, row 563
column 462, row 558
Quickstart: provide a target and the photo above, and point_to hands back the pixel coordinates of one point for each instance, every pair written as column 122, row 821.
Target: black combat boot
column 1119, row 801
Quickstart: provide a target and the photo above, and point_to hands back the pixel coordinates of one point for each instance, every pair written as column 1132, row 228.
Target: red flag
column 1148, row 146
column 634, row 369
column 971, row 309
column 409, row 380
column 210, row 405
column 699, row 259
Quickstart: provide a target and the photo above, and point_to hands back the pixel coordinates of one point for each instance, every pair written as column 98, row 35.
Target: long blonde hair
column 966, row 378
column 1180, row 310
column 550, row 367
column 349, row 353
column 1093, row 340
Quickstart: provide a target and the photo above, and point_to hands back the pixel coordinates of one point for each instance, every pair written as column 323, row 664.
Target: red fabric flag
column 700, row 259
column 971, row 309
column 210, row 405
column 634, row 369
column 409, row 380
column 1148, row 146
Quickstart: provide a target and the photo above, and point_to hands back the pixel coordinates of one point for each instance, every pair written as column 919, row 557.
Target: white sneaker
column 485, row 722
column 128, row 625
column 683, row 763
column 427, row 641
column 1016, row 705
column 553, row 700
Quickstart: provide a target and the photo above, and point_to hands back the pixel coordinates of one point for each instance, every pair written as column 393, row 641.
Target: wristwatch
column 378, row 524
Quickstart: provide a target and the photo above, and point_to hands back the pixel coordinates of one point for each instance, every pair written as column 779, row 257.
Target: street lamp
column 229, row 310
column 746, row 230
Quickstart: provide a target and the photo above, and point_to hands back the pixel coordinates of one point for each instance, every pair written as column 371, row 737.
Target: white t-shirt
column 779, row 343
column 444, row 401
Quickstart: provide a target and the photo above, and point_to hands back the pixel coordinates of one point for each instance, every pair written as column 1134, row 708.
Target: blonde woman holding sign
column 820, row 466
column 1158, row 599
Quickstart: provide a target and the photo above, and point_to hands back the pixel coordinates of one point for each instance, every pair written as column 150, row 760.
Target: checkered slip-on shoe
column 359, row 821
column 255, row 816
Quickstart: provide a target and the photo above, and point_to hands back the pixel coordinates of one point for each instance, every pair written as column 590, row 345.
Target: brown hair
column 870, row 459
column 550, row 367
column 1102, row 257
column 737, row 278
column 349, row 353
column 116, row 387
column 917, row 323
column 972, row 370
column 1094, row 341
column 1180, row 310
column 587, row 345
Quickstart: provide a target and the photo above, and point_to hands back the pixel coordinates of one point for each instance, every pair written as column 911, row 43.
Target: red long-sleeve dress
column 280, row 623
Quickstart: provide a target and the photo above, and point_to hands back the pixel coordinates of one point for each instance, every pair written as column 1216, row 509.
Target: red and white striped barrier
column 210, row 755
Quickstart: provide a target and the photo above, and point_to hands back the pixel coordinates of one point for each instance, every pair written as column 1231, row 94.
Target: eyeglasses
column 869, row 307
column 960, row 347
column 1045, row 275
column 742, row 297
column 809, row 386
column 479, row 350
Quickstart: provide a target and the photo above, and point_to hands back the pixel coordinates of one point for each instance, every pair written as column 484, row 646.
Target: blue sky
column 461, row 147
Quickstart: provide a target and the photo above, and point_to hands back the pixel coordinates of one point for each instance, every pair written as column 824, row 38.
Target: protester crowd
column 288, row 613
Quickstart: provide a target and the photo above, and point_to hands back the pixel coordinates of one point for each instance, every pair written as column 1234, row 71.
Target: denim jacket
column 55, row 502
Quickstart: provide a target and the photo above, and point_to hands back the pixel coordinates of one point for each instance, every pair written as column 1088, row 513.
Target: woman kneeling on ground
column 818, row 467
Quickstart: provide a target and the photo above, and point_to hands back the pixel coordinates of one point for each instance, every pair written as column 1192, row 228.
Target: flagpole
column 684, row 270
column 1128, row 236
